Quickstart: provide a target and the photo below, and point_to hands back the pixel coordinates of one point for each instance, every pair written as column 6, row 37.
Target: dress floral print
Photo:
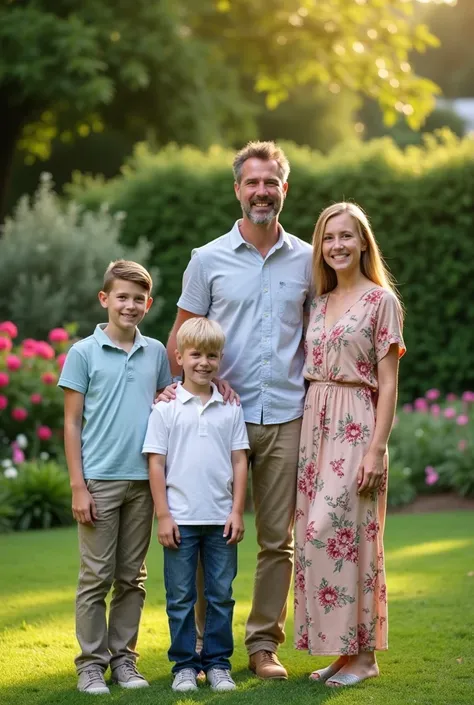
column 340, row 590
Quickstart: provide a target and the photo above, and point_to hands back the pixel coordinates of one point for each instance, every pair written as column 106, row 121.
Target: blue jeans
column 219, row 562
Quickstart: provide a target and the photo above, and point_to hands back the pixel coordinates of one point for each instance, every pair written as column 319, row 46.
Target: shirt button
column 265, row 291
column 265, row 315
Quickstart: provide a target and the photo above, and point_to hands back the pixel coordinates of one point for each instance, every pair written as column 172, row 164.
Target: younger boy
column 198, row 477
column 110, row 380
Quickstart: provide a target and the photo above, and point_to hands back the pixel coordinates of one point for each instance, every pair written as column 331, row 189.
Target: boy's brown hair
column 128, row 271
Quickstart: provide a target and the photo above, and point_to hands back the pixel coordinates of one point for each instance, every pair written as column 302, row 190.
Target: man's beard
column 261, row 218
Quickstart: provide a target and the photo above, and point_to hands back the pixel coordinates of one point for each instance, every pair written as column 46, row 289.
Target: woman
column 353, row 344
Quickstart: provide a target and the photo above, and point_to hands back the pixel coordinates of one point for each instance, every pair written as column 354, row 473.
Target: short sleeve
column 75, row 372
column 196, row 295
column 240, row 439
column 156, row 437
column 388, row 327
column 163, row 377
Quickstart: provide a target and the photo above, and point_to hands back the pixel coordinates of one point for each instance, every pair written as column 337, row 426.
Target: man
column 255, row 281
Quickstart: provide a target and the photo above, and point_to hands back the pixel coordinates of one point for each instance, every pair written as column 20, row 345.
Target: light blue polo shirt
column 259, row 302
column 119, row 389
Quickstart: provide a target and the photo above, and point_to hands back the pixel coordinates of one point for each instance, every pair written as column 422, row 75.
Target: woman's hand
column 372, row 471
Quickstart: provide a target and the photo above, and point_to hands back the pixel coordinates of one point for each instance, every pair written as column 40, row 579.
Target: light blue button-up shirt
column 119, row 389
column 259, row 303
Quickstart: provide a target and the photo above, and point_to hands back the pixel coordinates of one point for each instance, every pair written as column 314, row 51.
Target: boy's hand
column 224, row 388
column 83, row 506
column 168, row 532
column 234, row 527
column 168, row 393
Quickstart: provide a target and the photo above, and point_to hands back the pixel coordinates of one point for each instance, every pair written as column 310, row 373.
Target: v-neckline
column 328, row 330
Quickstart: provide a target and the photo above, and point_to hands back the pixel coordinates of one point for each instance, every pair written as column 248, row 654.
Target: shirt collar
column 183, row 395
column 236, row 239
column 104, row 340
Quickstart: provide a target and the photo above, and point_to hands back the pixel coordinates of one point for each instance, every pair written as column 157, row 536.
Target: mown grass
column 430, row 563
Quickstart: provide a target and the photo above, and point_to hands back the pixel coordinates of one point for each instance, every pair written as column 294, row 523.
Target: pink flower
column 435, row 409
column 327, row 596
column 345, row 536
column 48, row 378
column 407, row 408
column 61, row 359
column 432, row 476
column 462, row 445
column 451, row 397
column 9, row 328
column 432, row 394
column 5, row 343
column 421, row 404
column 58, row 335
column 3, row 402
column 19, row 413
column 4, row 379
column 462, row 420
column 468, row 396
column 449, row 412
column 17, row 454
column 353, row 431
column 371, row 531
column 44, row 433
column 13, row 362
column 352, row 553
column 303, row 642
column 333, row 550
column 36, row 398
column 45, row 350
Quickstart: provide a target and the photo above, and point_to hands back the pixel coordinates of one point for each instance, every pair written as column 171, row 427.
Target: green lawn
column 430, row 562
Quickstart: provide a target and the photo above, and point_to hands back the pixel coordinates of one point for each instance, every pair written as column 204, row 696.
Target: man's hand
column 168, row 532
column 234, row 527
column 168, row 393
column 371, row 471
column 84, row 510
column 224, row 388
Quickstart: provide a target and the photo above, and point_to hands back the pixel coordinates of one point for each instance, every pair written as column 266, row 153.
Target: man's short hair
column 128, row 271
column 266, row 151
column 202, row 334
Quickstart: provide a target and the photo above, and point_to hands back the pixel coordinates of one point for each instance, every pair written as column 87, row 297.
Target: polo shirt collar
column 184, row 396
column 236, row 239
column 104, row 340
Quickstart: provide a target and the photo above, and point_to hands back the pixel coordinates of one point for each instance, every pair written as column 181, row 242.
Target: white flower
column 44, row 455
column 11, row 473
column 419, row 432
column 7, row 463
column 22, row 440
column 406, row 472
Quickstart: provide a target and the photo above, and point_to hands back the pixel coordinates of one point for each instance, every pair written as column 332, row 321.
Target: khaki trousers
column 273, row 459
column 113, row 552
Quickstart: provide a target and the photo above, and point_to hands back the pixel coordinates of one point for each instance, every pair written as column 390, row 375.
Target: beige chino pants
column 113, row 552
column 273, row 459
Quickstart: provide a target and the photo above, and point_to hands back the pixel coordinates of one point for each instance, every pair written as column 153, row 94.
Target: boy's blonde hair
column 202, row 334
column 129, row 271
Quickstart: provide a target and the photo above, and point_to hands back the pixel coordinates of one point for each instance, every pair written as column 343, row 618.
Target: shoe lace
column 221, row 675
column 185, row 674
column 94, row 675
column 268, row 656
column 130, row 669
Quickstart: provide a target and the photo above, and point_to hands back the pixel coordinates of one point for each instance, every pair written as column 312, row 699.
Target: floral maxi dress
column 340, row 591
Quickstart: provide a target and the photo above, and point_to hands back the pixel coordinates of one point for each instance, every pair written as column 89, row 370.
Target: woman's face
column 342, row 245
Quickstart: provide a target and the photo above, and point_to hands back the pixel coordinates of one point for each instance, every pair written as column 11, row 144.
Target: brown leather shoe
column 265, row 665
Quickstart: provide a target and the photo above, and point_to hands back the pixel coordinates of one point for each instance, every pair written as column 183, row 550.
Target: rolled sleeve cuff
column 188, row 304
column 67, row 384
column 159, row 450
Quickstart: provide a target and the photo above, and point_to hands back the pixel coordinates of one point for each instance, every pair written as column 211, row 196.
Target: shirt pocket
column 291, row 296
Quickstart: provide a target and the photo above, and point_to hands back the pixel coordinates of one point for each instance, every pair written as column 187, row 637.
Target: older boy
column 198, row 476
column 109, row 381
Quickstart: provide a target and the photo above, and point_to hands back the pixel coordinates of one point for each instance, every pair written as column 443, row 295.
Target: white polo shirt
column 198, row 441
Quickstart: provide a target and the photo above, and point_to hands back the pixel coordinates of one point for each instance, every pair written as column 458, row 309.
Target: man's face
column 261, row 192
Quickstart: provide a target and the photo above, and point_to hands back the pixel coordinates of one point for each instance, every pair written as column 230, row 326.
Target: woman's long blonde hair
column 371, row 262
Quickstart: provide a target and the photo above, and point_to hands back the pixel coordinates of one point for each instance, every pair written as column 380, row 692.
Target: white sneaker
column 185, row 680
column 220, row 679
column 91, row 680
column 127, row 676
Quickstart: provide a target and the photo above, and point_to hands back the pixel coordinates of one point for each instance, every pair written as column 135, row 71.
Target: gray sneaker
column 185, row 680
column 126, row 675
column 220, row 679
column 91, row 680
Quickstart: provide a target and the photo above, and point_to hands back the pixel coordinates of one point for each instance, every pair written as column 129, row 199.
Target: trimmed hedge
column 420, row 202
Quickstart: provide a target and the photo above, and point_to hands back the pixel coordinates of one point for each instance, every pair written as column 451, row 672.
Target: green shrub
column 39, row 497
column 420, row 202
column 401, row 490
column 6, row 510
column 52, row 261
